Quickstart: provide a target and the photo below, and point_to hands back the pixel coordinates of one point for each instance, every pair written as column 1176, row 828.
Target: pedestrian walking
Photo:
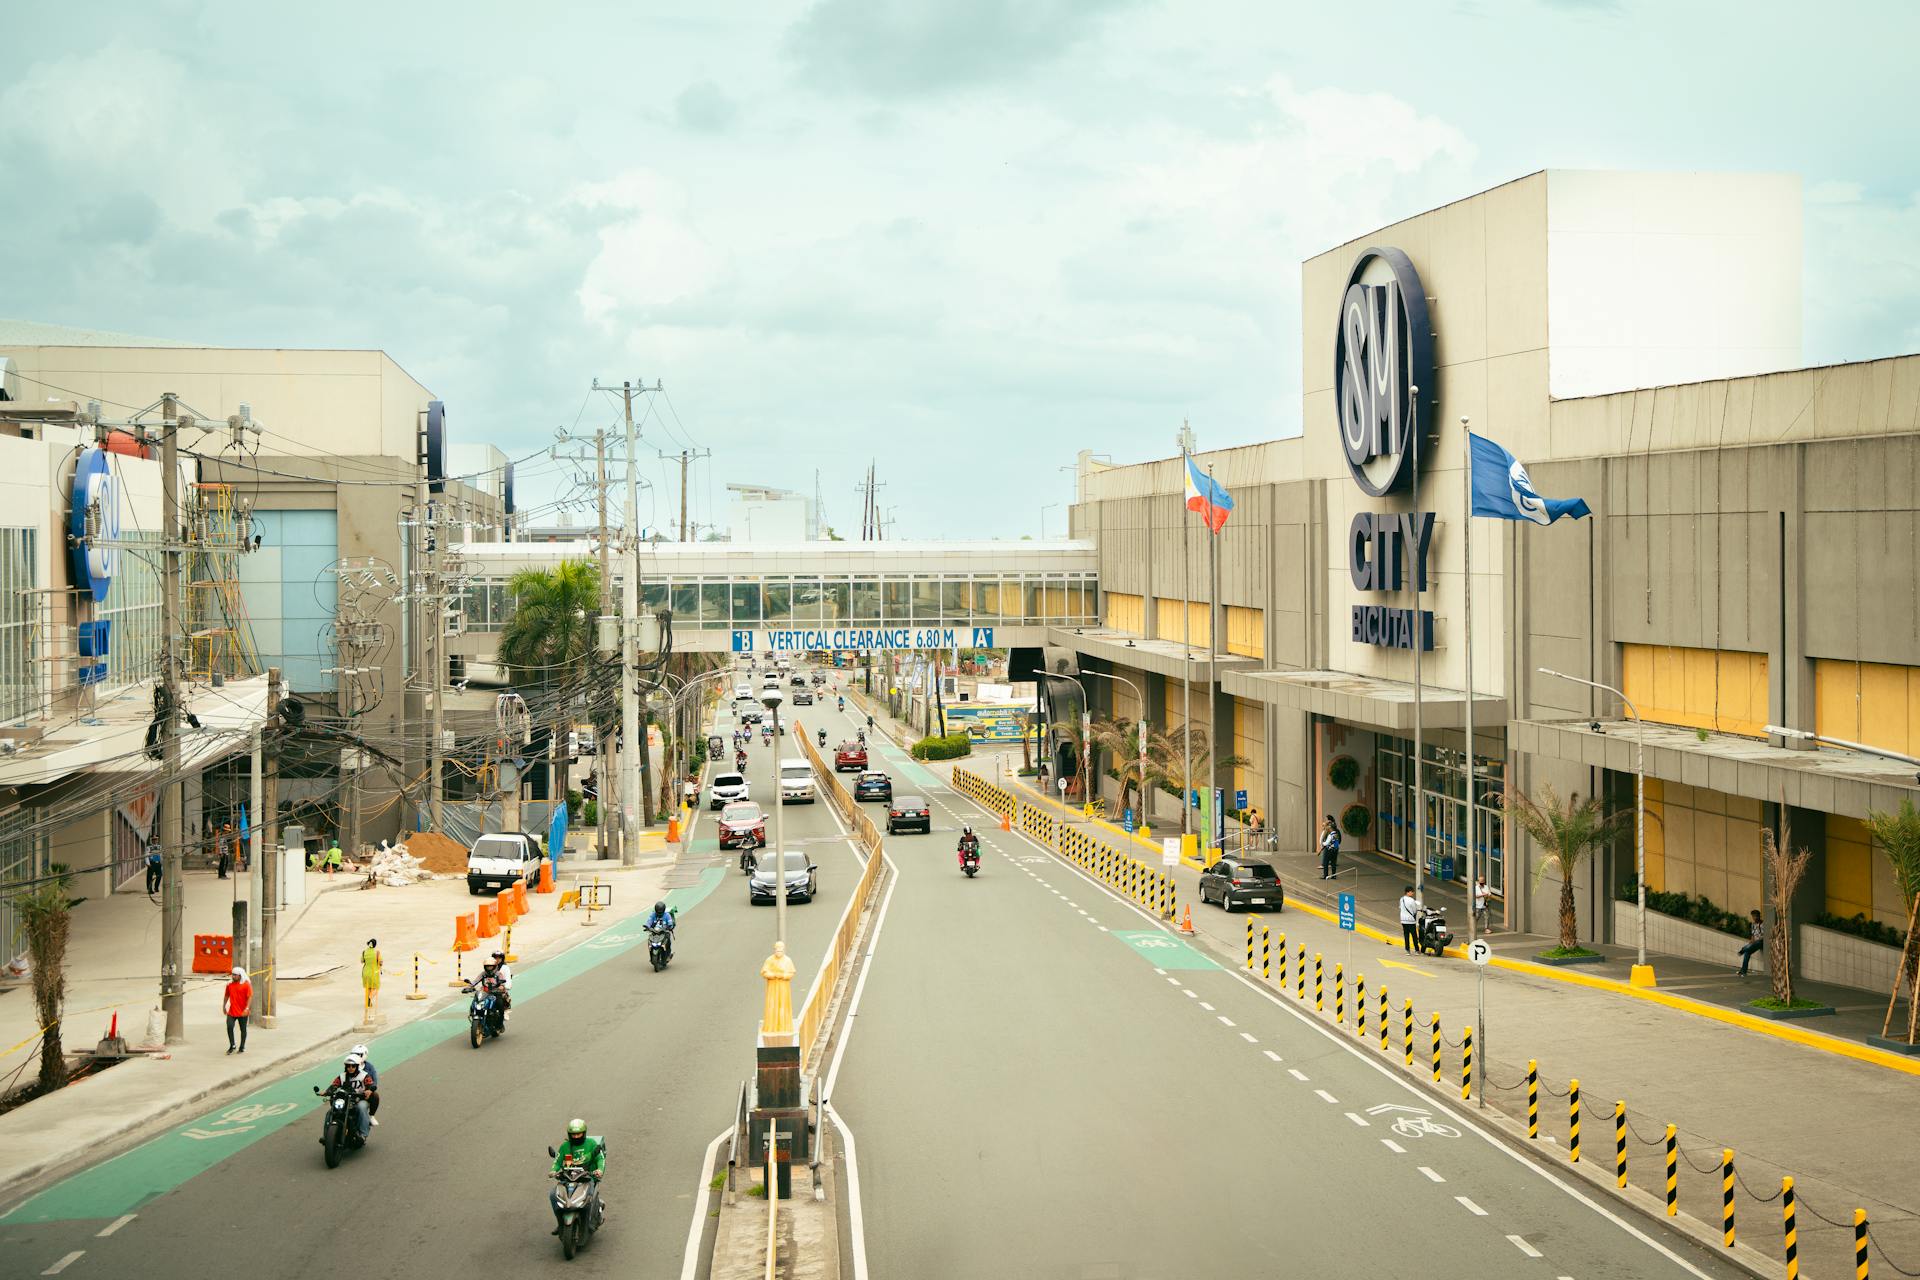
column 236, row 1003
column 1756, row 939
column 1409, row 918
column 1329, row 849
column 153, row 867
column 1480, row 892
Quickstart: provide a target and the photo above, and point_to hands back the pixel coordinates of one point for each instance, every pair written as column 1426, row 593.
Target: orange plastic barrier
column 464, row 937
column 546, row 876
column 503, row 907
column 520, row 907
column 489, row 920
column 673, row 830
column 212, row 953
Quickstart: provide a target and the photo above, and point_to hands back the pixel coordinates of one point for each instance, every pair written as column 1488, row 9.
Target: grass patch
column 757, row 1190
column 719, row 1180
column 1568, row 953
column 1779, row 1006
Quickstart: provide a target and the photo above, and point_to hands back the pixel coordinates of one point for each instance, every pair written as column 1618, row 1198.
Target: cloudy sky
column 964, row 238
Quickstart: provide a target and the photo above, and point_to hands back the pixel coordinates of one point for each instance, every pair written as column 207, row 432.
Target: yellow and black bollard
column 1573, row 1121
column 1436, row 1046
column 1673, row 1172
column 1726, row 1195
column 1620, row 1144
column 1386, row 1021
column 1339, row 993
column 1792, row 1242
column 1318, row 1003
column 416, row 993
column 1173, row 898
column 1283, row 962
column 1409, row 1033
column 1533, row 1098
column 1360, row 1005
column 1301, row 969
column 1860, row 1244
column 1266, row 954
column 1466, row 1064
column 1249, row 946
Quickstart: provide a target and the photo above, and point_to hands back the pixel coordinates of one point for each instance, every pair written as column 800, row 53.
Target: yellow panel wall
column 1656, row 835
column 1859, row 877
column 1872, row 703
column 1719, row 689
column 1246, row 631
column 1702, row 842
column 1126, row 613
column 1250, row 742
column 1168, row 624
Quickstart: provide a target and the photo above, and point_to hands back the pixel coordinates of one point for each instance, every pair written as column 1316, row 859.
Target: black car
column 1245, row 882
column 802, row 697
column 749, row 714
column 909, row 813
column 802, row 878
column 873, row 785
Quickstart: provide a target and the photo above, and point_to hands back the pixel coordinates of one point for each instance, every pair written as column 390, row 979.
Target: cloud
column 1861, row 274
column 915, row 48
column 705, row 108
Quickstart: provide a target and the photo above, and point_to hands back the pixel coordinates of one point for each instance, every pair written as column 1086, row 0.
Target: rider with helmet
column 661, row 918
column 373, row 1081
column 969, row 843
column 354, row 1076
column 586, row 1152
column 492, row 980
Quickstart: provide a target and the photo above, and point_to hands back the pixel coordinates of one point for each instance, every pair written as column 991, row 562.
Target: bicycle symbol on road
column 1414, row 1122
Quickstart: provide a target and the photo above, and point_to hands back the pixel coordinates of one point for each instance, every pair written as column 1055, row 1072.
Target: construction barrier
column 212, row 953
column 546, row 876
column 520, row 907
column 503, row 908
column 489, row 920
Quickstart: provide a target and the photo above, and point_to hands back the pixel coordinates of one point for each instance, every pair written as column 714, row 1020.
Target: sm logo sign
column 1383, row 370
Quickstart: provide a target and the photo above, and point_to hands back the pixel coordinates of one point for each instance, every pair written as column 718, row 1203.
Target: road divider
column 866, row 834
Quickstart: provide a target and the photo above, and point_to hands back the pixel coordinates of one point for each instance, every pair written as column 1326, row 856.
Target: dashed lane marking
column 1271, row 1054
column 1297, row 1074
column 1431, row 1175
column 1248, row 1037
column 116, row 1224
column 1471, row 1207
column 1206, row 1006
column 1327, row 1097
column 1161, row 972
column 64, row 1263
column 1524, row 1247
column 1225, row 1021
column 1359, row 1119
column 1188, row 993
column 1174, row 981
column 1393, row 1146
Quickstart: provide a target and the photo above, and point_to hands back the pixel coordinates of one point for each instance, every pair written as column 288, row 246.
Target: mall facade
column 1752, row 558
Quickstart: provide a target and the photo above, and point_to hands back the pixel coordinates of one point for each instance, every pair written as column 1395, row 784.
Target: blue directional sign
column 1346, row 911
column 1126, row 820
column 1240, row 800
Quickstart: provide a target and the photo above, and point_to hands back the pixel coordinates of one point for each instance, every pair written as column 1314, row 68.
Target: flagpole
column 1466, row 560
column 1214, row 618
column 1415, row 563
column 1186, row 658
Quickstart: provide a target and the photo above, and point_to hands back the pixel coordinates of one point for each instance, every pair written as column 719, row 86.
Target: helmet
column 352, row 1065
column 491, row 964
column 576, row 1129
column 500, row 956
column 359, row 1051
column 659, row 908
column 966, row 828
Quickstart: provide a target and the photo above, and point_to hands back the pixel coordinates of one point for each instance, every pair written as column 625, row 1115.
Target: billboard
column 984, row 722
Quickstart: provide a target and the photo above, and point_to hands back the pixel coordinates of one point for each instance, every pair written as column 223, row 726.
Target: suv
column 738, row 821
column 1246, row 881
column 500, row 858
column 803, row 697
column 796, row 780
column 799, row 681
column 850, row 758
column 728, row 788
column 909, row 813
column 873, row 785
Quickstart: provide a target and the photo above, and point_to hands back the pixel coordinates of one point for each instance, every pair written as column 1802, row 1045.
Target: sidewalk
column 114, row 953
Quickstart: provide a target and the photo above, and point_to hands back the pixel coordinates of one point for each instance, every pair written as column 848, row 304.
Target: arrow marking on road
column 1410, row 968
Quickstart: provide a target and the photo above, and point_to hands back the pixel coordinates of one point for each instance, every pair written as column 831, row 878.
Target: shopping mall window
column 1440, row 836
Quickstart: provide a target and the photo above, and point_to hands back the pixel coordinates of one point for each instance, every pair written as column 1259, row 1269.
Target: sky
column 959, row 239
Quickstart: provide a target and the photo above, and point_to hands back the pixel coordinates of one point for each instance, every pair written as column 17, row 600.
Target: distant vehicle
column 747, row 711
column 742, row 691
column 851, row 757
column 728, row 788
column 796, row 781
column 801, row 878
column 802, row 698
column 819, row 677
column 740, row 821
column 1245, row 882
column 873, row 785
column 500, row 858
column 908, row 813
column 583, row 742
column 799, row 681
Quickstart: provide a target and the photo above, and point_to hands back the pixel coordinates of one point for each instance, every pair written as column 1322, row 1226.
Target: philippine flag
column 1213, row 502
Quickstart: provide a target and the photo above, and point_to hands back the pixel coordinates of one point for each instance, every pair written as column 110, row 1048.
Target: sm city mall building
column 1752, row 558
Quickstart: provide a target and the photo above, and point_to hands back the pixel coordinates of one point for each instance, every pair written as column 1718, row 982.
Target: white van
column 796, row 781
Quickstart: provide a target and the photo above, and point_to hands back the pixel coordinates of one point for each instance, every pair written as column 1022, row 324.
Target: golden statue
column 777, row 1018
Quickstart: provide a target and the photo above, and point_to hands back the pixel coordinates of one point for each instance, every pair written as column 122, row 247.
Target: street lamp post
column 1782, row 731
column 1087, row 721
column 771, row 699
column 1642, row 975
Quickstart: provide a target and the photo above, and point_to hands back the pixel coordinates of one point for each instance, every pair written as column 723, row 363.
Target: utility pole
column 271, row 858
column 173, row 917
column 608, row 784
column 686, row 457
column 636, row 777
column 433, row 622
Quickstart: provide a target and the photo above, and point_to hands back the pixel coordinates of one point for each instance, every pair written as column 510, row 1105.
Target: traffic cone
column 1006, row 823
column 1186, row 923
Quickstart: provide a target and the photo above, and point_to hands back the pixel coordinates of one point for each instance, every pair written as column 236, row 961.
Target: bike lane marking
column 129, row 1180
column 1162, row 951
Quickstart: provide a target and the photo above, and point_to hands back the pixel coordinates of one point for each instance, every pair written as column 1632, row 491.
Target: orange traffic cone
column 1006, row 823
column 1186, row 924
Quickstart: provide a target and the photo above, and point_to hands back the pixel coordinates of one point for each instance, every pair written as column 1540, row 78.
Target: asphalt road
column 1043, row 1082
column 453, row 1183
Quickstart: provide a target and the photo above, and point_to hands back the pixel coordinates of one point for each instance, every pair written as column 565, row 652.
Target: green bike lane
column 453, row 1180
column 1045, row 1082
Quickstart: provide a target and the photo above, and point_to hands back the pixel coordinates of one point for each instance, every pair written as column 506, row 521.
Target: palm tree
column 45, row 921
column 1898, row 835
column 1566, row 833
column 1169, row 761
column 1121, row 740
column 548, row 638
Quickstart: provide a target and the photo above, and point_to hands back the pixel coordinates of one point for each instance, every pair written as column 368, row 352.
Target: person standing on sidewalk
column 223, row 850
column 153, row 867
column 1756, row 939
column 236, row 1003
column 1409, row 918
column 370, row 970
column 1329, row 849
column 1480, row 892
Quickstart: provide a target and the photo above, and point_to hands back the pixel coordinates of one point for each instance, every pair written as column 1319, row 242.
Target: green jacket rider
column 582, row 1150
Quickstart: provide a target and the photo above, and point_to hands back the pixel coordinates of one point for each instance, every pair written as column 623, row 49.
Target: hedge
column 1700, row 909
column 950, row 747
column 1860, row 927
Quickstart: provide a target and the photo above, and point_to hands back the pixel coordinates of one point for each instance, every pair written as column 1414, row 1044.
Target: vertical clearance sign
column 861, row 639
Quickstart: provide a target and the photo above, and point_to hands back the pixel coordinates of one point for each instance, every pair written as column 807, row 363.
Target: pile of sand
column 437, row 853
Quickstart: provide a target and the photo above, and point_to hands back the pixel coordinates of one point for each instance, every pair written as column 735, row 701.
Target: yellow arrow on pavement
column 1395, row 964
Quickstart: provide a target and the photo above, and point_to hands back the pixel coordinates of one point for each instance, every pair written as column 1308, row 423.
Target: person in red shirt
column 236, row 1003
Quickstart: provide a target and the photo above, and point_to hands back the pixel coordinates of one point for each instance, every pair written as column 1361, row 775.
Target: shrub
column 951, row 746
column 1700, row 910
column 1356, row 820
column 1860, row 927
column 590, row 813
column 1343, row 773
column 574, row 799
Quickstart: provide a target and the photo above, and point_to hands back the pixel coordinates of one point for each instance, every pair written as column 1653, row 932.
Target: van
column 796, row 781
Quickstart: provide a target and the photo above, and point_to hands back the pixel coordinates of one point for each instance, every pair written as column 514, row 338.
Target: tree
column 1898, row 835
column 1566, row 833
column 1786, row 866
column 547, row 642
column 1121, row 740
column 1168, row 762
column 45, row 920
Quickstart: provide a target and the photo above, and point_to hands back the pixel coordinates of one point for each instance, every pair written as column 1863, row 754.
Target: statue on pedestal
column 777, row 1016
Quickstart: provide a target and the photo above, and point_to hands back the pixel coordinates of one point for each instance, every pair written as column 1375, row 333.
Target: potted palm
column 1567, row 832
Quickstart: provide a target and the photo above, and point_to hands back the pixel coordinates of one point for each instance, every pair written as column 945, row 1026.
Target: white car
column 796, row 781
column 742, row 691
column 499, row 858
column 728, row 788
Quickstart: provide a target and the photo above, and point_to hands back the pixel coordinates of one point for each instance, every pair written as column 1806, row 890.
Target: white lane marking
column 1296, row 1073
column 116, row 1224
column 690, row 1260
column 1359, row 1119
column 1075, row 906
column 1102, row 928
column 64, row 1263
column 1524, row 1247
column 1248, row 1037
column 1431, row 1175
column 1327, row 1097
column 1271, row 1054
column 1095, row 923
column 1471, row 1207
column 1189, row 993
column 1225, row 1021
column 1173, row 980
column 1393, row 1146
column 1161, row 972
column 1206, row 1006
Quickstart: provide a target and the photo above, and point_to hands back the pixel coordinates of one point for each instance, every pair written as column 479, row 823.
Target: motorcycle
column 485, row 1018
column 576, row 1205
column 823, row 737
column 342, row 1127
column 659, row 946
column 1430, row 932
column 970, row 857
column 740, row 762
column 842, row 705
column 748, row 843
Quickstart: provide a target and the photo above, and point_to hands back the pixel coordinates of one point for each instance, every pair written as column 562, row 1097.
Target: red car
column 850, row 758
column 737, row 821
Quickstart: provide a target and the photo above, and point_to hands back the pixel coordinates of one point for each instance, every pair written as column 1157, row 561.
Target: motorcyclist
column 823, row 737
column 843, row 703
column 489, row 982
column 740, row 761
column 586, row 1152
column 354, row 1077
column 373, row 1081
column 661, row 918
column 869, row 726
column 506, row 980
column 969, row 844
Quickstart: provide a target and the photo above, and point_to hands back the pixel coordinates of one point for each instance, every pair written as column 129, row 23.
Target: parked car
column 796, row 781
column 873, row 785
column 909, row 813
column 728, row 788
column 850, row 757
column 801, row 876
column 738, row 821
column 1245, row 882
column 499, row 858
column 802, row 697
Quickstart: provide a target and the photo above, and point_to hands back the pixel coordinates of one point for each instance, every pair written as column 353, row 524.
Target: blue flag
column 557, row 833
column 1503, row 489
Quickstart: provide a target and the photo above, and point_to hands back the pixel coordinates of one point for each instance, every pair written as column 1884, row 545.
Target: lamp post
column 772, row 699
column 1782, row 731
column 1086, row 720
column 1642, row 975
